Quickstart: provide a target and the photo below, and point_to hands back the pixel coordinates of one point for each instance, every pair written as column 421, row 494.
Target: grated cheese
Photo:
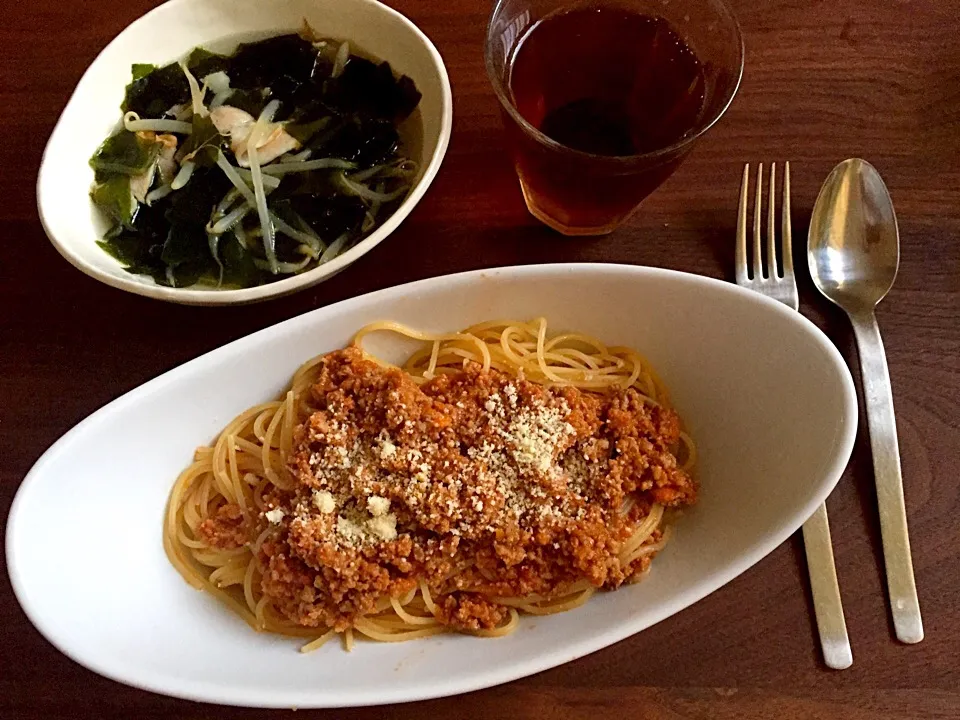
column 377, row 505
column 350, row 531
column 384, row 526
column 324, row 501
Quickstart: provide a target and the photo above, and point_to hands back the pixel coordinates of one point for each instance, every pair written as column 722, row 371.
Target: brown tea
column 609, row 82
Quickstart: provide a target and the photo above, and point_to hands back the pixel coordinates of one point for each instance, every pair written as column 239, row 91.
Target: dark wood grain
column 823, row 81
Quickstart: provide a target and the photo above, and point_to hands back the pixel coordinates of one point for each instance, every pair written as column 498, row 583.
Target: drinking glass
column 577, row 192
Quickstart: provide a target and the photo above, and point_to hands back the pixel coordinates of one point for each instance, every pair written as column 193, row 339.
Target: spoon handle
column 878, row 396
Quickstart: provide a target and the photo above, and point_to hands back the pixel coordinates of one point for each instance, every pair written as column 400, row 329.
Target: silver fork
column 780, row 283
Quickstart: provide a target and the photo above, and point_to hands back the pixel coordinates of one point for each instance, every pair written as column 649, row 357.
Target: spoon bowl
column 854, row 245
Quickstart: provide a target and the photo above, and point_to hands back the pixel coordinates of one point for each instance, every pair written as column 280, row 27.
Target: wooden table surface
column 823, row 81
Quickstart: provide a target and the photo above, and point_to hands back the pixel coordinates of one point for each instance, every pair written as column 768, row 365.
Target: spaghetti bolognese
column 500, row 471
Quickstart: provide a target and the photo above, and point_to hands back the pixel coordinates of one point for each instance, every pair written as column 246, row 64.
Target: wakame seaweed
column 177, row 181
column 281, row 63
column 153, row 94
column 123, row 154
column 365, row 88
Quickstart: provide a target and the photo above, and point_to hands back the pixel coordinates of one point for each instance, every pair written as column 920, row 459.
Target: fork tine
column 772, row 272
column 757, row 215
column 787, row 239
column 741, row 251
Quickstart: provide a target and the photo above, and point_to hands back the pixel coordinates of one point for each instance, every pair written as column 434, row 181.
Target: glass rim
column 505, row 101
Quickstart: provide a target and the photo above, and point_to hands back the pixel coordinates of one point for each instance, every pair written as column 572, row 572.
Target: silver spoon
column 853, row 252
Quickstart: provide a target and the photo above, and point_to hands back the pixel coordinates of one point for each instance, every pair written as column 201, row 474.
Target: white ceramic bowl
column 169, row 32
column 763, row 392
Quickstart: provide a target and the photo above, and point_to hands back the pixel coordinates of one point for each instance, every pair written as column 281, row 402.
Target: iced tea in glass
column 603, row 100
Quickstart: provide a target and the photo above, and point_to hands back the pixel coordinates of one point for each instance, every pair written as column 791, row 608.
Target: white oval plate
column 764, row 393
column 169, row 32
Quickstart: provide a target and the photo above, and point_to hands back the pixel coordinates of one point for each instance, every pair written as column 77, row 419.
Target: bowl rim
column 191, row 296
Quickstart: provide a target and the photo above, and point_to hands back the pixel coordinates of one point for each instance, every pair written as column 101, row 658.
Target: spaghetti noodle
column 550, row 445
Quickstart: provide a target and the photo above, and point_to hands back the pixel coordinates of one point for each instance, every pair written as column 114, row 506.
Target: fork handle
column 878, row 396
column 826, row 592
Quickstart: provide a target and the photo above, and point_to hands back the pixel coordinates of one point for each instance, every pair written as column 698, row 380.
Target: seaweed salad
column 238, row 170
